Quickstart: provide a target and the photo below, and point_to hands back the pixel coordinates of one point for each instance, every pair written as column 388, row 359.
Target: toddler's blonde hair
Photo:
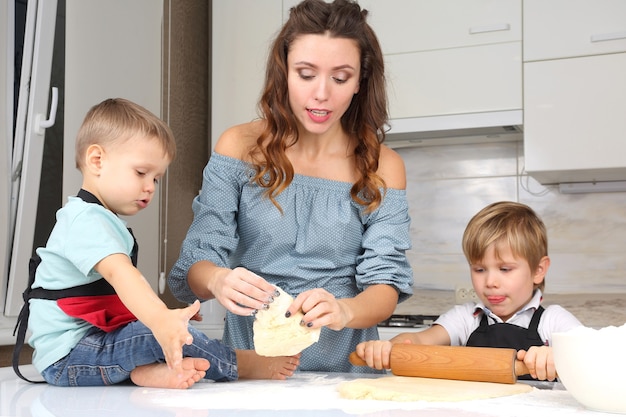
column 114, row 121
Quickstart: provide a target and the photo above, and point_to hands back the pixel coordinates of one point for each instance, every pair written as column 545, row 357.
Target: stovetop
column 408, row 320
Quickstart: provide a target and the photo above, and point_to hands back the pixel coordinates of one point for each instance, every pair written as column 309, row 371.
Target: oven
column 402, row 323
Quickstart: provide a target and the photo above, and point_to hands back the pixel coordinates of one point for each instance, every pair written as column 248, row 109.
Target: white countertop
column 593, row 310
column 306, row 394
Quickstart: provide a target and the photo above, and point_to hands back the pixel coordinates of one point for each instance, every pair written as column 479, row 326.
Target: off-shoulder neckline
column 299, row 178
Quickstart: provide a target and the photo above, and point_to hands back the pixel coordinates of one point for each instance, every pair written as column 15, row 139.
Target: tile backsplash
column 447, row 185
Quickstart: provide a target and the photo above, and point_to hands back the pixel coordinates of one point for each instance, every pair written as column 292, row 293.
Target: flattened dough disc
column 277, row 335
column 403, row 388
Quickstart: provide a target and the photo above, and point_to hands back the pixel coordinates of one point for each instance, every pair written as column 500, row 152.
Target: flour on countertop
column 313, row 391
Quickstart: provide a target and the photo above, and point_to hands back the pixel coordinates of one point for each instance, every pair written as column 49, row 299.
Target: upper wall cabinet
column 474, row 79
column 570, row 28
column 405, row 26
column 575, row 90
column 449, row 58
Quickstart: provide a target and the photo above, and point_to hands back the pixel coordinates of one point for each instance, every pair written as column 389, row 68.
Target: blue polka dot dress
column 322, row 239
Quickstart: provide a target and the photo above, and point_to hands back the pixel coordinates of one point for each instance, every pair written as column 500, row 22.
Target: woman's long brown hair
column 365, row 118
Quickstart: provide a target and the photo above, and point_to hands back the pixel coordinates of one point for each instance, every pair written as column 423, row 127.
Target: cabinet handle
column 496, row 27
column 608, row 36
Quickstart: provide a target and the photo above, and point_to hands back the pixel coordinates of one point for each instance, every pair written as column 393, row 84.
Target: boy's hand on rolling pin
column 539, row 361
column 375, row 353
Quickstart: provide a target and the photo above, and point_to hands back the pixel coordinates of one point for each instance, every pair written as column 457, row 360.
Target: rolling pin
column 464, row 363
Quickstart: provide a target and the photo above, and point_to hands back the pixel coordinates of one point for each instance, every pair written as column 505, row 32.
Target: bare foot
column 254, row 366
column 158, row 375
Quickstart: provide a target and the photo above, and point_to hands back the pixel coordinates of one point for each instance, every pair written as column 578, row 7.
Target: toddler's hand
column 172, row 333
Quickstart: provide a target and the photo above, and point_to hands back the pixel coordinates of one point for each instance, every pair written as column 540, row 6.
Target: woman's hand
column 539, row 361
column 321, row 308
column 242, row 292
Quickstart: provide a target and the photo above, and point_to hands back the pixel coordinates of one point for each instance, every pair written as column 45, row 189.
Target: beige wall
column 447, row 185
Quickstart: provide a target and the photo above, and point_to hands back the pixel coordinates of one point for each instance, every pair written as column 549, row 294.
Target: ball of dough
column 277, row 335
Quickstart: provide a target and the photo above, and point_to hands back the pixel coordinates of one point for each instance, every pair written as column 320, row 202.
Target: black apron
column 506, row 335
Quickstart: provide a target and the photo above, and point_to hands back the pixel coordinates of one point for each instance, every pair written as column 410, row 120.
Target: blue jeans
column 102, row 358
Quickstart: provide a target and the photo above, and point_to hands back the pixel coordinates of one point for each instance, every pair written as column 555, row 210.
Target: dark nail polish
column 302, row 323
column 276, row 293
column 270, row 300
column 287, row 314
column 266, row 307
column 254, row 312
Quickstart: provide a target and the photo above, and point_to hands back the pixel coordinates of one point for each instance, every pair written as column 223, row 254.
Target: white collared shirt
column 461, row 320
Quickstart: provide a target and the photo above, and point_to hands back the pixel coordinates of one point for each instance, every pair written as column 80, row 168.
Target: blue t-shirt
column 322, row 239
column 84, row 234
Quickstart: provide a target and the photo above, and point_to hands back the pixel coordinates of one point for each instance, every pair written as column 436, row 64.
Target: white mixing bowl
column 590, row 364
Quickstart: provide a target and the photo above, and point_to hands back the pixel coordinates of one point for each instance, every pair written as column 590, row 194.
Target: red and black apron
column 96, row 302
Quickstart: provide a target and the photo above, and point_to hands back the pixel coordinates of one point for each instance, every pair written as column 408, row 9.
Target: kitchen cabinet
column 406, row 26
column 455, row 81
column 575, row 90
column 570, row 28
column 574, row 120
column 448, row 57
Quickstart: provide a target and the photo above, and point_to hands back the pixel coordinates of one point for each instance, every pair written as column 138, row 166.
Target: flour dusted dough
column 402, row 388
column 277, row 335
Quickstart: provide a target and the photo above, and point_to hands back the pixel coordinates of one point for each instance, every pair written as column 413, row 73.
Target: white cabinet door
column 449, row 57
column 570, row 28
column 422, row 25
column 575, row 119
column 463, row 80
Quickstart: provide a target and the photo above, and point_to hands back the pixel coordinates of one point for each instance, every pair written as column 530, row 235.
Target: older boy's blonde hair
column 116, row 120
column 507, row 224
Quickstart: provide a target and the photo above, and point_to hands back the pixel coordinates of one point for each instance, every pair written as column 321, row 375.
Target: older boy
column 506, row 246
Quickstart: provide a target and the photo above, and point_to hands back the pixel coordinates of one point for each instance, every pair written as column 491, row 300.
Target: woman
column 306, row 198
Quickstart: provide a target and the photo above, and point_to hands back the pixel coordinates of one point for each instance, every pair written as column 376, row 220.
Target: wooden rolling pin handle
column 520, row 368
